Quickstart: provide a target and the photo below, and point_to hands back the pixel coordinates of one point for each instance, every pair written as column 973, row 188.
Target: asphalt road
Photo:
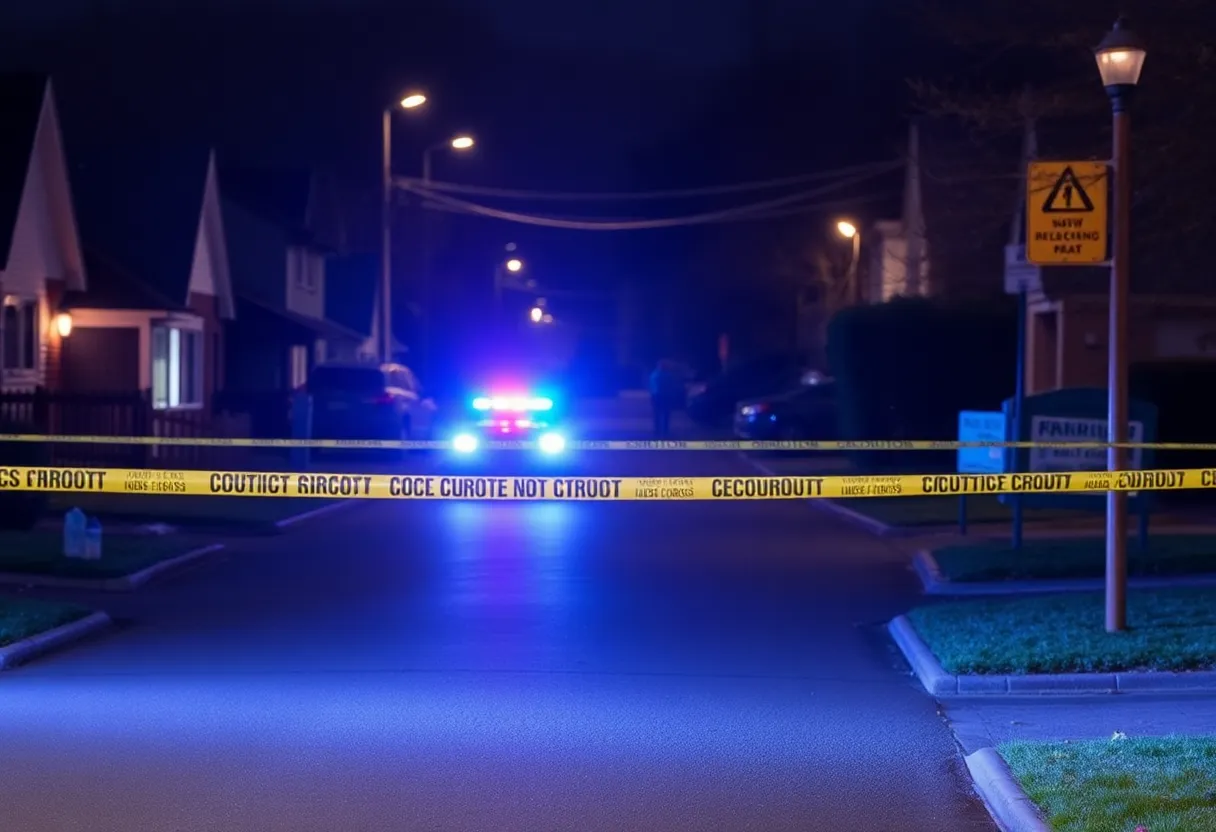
column 461, row 666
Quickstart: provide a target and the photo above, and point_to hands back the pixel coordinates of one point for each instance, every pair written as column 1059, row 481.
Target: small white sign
column 981, row 426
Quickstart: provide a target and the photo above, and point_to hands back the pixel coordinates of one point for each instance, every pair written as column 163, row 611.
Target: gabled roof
column 257, row 254
column 142, row 207
column 112, row 287
column 21, row 100
column 278, row 195
column 350, row 291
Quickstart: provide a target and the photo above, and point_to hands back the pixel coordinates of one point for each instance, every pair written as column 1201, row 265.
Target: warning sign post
column 1067, row 206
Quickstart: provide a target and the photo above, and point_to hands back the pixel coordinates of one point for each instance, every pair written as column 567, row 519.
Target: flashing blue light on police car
column 464, row 443
column 552, row 443
column 541, row 403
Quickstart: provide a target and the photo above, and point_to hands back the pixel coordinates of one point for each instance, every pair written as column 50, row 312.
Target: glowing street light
column 515, row 265
column 461, row 141
column 410, row 101
column 537, row 314
column 849, row 231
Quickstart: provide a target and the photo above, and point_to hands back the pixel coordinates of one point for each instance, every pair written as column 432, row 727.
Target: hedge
column 904, row 369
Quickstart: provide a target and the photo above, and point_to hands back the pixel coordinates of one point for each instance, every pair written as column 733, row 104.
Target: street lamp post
column 849, row 231
column 410, row 102
column 1120, row 58
column 512, row 265
column 458, row 142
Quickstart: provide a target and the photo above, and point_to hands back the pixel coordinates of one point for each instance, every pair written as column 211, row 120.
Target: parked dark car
column 368, row 401
column 714, row 404
column 804, row 412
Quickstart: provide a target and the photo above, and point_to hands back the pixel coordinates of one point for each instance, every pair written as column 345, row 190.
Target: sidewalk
column 995, row 720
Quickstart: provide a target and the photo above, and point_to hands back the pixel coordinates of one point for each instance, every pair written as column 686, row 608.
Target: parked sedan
column 802, row 413
column 714, row 403
column 368, row 401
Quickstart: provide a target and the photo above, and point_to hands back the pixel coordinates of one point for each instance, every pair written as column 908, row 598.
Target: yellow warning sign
column 1066, row 213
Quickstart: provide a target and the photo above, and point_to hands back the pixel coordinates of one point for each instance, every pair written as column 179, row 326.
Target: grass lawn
column 185, row 511
column 1165, row 784
column 41, row 553
column 21, row 618
column 1167, row 554
column 943, row 511
column 1173, row 629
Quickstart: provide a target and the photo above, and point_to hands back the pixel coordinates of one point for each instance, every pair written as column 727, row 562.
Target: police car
column 503, row 416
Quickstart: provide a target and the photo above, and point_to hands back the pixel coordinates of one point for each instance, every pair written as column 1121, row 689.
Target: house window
column 299, row 366
column 303, row 267
column 20, row 333
column 177, row 367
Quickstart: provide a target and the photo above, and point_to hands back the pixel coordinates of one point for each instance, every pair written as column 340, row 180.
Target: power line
column 724, row 215
column 791, row 211
column 413, row 183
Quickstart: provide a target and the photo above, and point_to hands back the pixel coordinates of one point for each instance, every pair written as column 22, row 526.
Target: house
column 150, row 321
column 959, row 189
column 281, row 330
column 279, row 268
column 354, row 302
column 1172, row 314
column 40, row 253
column 961, row 236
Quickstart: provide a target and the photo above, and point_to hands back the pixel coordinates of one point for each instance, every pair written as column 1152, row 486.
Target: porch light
column 63, row 324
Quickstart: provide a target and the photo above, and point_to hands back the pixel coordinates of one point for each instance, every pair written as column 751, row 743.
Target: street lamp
column 536, row 314
column 849, row 231
column 460, row 141
column 1120, row 58
column 515, row 264
column 410, row 101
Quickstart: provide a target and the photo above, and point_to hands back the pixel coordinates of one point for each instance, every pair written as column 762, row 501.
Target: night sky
column 599, row 95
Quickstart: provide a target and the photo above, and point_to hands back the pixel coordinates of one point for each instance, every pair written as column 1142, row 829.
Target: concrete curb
column 1007, row 802
column 29, row 648
column 287, row 522
column 939, row 682
column 935, row 583
column 124, row 584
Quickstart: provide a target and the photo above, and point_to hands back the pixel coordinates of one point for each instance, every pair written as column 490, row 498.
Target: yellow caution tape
column 567, row 489
column 591, row 445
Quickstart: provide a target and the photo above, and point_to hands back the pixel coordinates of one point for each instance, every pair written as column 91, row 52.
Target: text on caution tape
column 435, row 487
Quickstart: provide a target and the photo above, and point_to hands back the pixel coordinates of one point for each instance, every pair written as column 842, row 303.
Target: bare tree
column 1033, row 59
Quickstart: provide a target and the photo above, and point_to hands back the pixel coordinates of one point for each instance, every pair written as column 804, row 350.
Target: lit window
column 20, row 326
column 177, row 367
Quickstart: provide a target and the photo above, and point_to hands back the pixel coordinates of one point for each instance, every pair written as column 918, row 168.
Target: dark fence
column 120, row 414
